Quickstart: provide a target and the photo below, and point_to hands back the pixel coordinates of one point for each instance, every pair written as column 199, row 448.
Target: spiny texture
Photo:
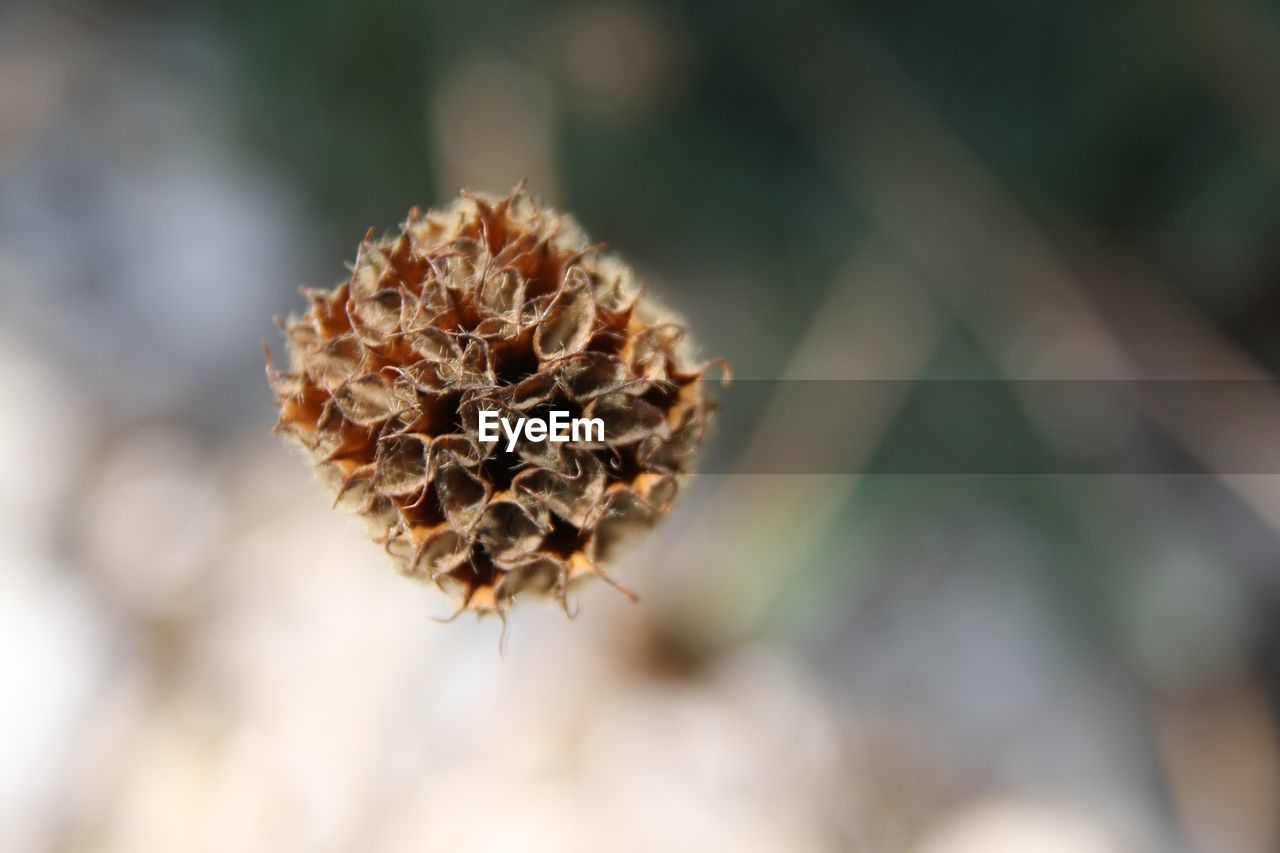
column 492, row 304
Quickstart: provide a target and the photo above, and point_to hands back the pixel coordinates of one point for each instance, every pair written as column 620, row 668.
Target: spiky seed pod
column 498, row 304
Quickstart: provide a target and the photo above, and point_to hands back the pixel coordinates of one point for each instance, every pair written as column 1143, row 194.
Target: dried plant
column 492, row 304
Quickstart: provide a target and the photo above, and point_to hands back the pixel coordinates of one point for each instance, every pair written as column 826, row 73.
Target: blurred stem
column 757, row 531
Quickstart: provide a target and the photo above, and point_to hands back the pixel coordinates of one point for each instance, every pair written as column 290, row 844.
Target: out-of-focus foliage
column 200, row 656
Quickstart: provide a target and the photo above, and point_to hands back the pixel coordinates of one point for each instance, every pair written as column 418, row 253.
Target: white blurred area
column 197, row 653
column 1018, row 827
column 215, row 661
column 222, row 659
column 203, row 650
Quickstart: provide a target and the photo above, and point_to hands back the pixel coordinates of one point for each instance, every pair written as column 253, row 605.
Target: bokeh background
column 197, row 654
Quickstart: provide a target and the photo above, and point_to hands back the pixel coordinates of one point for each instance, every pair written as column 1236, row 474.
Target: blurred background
column 196, row 653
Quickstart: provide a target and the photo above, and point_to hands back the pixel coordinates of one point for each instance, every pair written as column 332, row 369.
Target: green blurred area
column 1095, row 115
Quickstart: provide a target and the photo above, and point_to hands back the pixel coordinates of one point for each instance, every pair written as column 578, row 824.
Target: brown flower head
column 492, row 304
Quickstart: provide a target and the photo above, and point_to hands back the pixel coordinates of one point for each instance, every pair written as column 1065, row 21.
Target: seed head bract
column 492, row 304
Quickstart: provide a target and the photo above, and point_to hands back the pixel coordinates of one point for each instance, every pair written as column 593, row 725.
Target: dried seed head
column 492, row 304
